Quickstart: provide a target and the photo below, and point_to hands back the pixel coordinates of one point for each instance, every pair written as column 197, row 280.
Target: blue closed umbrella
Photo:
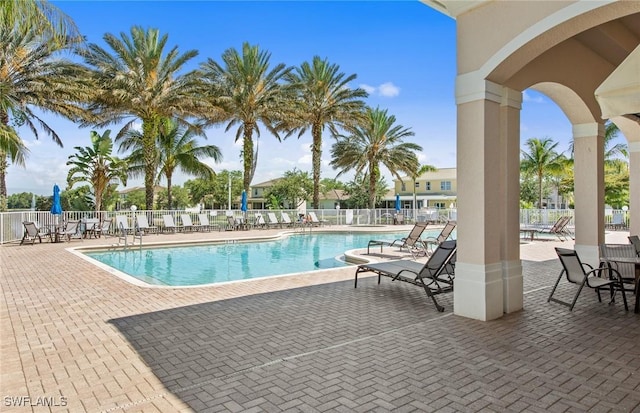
column 398, row 206
column 243, row 204
column 56, row 207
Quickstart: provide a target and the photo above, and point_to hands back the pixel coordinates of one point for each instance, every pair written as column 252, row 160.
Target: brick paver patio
column 78, row 337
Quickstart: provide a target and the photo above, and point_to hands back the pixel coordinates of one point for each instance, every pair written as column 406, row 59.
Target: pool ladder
column 123, row 238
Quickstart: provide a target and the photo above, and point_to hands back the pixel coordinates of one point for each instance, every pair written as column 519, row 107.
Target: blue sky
column 403, row 53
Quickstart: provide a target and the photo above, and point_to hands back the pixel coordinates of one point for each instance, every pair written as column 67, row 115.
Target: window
column 255, row 193
column 445, row 186
column 428, row 186
column 439, row 205
column 417, row 184
column 404, row 187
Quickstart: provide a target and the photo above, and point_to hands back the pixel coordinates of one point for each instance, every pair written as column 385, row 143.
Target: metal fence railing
column 11, row 228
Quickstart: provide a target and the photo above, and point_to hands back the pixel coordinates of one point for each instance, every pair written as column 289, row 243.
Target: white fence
column 11, row 228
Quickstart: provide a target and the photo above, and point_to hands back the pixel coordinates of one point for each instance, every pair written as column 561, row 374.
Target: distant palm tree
column 324, row 98
column 96, row 165
column 376, row 141
column 249, row 93
column 34, row 75
column 137, row 79
column 417, row 174
column 176, row 149
column 40, row 15
column 541, row 159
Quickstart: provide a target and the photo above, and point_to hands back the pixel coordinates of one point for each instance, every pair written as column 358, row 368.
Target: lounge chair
column 103, row 228
column 259, row 221
column 71, row 230
column 169, row 224
column 412, row 242
column 627, row 271
column 89, row 227
column 231, row 223
column 286, row 219
column 204, row 222
column 31, row 233
column 431, row 242
column 273, row 220
column 314, row 219
column 635, row 241
column 188, row 224
column 122, row 223
column 142, row 225
column 583, row 275
column 435, row 276
column 558, row 229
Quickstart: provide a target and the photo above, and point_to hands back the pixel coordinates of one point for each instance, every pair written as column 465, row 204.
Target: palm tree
column 324, row 98
column 249, row 93
column 138, row 80
column 414, row 177
column 176, row 149
column 95, row 164
column 34, row 75
column 376, row 141
column 47, row 19
column 540, row 160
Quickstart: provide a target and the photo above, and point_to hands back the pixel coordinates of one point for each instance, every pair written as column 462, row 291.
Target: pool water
column 206, row 264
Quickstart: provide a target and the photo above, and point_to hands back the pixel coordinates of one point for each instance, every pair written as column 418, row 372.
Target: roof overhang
column 619, row 94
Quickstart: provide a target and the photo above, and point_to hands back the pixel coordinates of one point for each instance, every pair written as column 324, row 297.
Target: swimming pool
column 217, row 263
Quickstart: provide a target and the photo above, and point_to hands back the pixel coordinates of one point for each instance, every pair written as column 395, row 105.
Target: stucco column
column 634, row 188
column 588, row 154
column 478, row 292
column 512, row 281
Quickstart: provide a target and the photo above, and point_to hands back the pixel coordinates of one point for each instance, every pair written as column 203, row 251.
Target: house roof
column 441, row 173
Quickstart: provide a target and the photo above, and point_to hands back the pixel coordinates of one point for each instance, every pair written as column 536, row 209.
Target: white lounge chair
column 71, row 230
column 103, row 228
column 259, row 221
column 204, row 222
column 314, row 219
column 286, row 219
column 142, row 225
column 273, row 220
column 31, row 233
column 188, row 224
column 169, row 224
column 122, row 224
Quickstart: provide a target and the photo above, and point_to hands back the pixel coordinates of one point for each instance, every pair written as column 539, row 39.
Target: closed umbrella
column 56, row 207
column 243, row 204
column 398, row 207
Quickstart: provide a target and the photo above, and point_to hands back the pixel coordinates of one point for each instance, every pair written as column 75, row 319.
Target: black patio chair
column 583, row 274
column 435, row 276
column 635, row 240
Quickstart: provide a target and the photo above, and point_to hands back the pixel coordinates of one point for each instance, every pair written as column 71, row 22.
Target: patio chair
column 231, row 223
column 286, row 219
column 204, row 222
column 432, row 242
column 122, row 223
column 559, row 228
column 169, row 224
column 142, row 225
column 412, row 242
column 103, row 228
column 635, row 241
column 435, row 276
column 71, row 229
column 273, row 220
column 627, row 271
column 43, row 230
column 314, row 219
column 259, row 221
column 583, row 274
column 31, row 233
column 89, row 227
column 188, row 224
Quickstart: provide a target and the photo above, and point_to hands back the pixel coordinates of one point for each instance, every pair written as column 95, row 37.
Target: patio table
column 636, row 261
column 529, row 232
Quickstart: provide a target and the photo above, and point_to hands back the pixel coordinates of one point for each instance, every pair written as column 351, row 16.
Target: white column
column 634, row 188
column 479, row 283
column 512, row 281
column 588, row 154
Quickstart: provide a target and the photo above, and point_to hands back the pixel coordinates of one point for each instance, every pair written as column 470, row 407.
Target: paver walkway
column 75, row 335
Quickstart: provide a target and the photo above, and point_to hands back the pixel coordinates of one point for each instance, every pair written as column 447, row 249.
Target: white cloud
column 387, row 89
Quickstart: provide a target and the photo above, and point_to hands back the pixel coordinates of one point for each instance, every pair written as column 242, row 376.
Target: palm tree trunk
column 540, row 191
column 168, row 192
column 3, row 181
column 247, row 148
column 316, row 153
column 149, row 132
column 373, row 178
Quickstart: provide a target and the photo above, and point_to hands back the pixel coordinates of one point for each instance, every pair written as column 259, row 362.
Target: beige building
column 432, row 190
column 585, row 56
column 257, row 199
